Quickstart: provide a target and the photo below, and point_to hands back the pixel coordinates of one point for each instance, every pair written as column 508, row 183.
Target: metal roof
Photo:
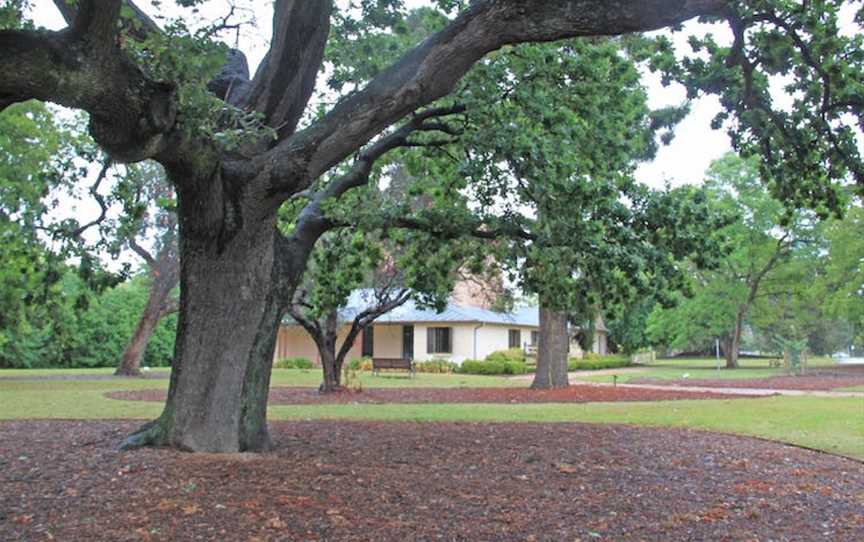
column 410, row 312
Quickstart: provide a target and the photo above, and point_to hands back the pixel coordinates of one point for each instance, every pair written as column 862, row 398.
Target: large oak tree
column 238, row 271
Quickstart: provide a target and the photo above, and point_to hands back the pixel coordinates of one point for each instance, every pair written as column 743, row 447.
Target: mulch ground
column 577, row 393
column 432, row 481
column 814, row 380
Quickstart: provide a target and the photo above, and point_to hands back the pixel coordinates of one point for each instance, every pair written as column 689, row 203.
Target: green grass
column 24, row 373
column 74, row 399
column 831, row 424
column 850, row 388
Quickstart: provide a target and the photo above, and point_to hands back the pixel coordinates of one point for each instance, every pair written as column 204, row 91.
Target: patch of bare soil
column 815, row 380
column 408, row 481
column 578, row 393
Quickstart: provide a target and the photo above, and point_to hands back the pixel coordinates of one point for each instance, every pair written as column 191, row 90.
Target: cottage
column 458, row 333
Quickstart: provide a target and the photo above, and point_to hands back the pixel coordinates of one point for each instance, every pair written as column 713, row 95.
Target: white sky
column 683, row 161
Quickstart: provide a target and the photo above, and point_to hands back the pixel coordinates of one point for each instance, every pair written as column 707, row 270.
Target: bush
column 293, row 363
column 510, row 355
column 104, row 327
column 593, row 362
column 493, row 367
column 360, row 364
column 440, row 366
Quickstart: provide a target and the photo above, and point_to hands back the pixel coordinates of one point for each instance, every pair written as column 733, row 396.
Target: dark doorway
column 368, row 348
column 407, row 342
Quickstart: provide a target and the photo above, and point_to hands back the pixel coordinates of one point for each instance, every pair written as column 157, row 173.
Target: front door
column 407, row 342
column 368, row 346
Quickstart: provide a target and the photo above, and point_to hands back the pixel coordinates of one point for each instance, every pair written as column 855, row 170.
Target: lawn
column 831, row 424
column 851, row 388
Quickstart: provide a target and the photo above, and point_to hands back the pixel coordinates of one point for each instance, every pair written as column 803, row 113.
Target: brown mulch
column 432, row 481
column 577, row 393
column 813, row 380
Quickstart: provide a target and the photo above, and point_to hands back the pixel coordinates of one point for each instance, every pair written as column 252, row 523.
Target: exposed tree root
column 150, row 434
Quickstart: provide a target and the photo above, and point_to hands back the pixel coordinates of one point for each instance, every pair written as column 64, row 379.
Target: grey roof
column 410, row 312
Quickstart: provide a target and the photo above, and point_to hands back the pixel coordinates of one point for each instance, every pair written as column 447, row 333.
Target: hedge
column 593, row 362
column 492, row 367
column 293, row 363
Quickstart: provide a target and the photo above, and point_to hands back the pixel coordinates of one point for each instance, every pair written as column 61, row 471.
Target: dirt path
column 405, row 482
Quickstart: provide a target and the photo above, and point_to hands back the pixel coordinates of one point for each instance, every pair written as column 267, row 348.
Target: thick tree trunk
column 332, row 374
column 330, row 362
column 230, row 309
column 552, row 351
column 159, row 304
column 734, row 342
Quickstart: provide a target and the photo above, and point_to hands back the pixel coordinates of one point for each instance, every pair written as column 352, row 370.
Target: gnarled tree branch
column 285, row 79
column 312, row 222
column 431, row 70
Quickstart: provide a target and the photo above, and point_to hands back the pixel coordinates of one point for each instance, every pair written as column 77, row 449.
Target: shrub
column 512, row 354
column 293, row 363
column 104, row 327
column 350, row 378
column 437, row 366
column 593, row 362
column 360, row 364
column 493, row 367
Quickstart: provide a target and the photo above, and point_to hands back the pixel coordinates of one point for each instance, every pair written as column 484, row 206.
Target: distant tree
column 841, row 287
column 103, row 328
column 545, row 156
column 761, row 243
column 157, row 227
column 343, row 263
column 628, row 325
column 36, row 160
column 377, row 274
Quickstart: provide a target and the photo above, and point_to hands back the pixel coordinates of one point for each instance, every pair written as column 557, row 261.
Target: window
column 368, row 349
column 535, row 338
column 439, row 340
column 514, row 339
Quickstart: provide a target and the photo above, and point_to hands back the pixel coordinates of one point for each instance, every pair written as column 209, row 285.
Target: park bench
column 393, row 363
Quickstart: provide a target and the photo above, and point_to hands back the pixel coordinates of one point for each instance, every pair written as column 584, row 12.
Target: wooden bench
column 393, row 363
